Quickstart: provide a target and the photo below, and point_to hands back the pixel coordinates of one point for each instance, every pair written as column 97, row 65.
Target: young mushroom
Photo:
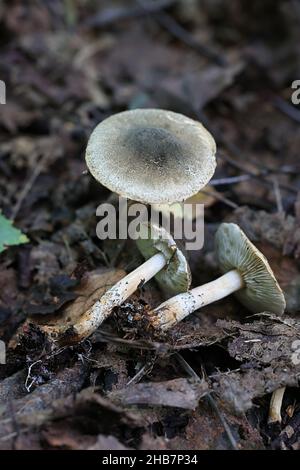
column 247, row 274
column 151, row 155
column 275, row 406
column 166, row 259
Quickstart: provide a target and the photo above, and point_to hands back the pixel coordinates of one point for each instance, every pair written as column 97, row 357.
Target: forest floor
column 207, row 383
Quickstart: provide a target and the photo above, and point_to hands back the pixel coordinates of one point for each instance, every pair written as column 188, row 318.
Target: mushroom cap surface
column 235, row 251
column 175, row 277
column 151, row 155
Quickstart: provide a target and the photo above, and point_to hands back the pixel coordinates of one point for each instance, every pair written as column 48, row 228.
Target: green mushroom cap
column 175, row 277
column 235, row 251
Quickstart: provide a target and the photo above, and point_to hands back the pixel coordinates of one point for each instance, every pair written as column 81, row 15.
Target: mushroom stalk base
column 117, row 294
column 177, row 308
column 275, row 406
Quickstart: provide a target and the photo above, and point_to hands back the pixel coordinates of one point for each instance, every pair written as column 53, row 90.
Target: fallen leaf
column 9, row 235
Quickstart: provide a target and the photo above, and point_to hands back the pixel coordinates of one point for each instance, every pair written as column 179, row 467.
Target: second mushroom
column 247, row 273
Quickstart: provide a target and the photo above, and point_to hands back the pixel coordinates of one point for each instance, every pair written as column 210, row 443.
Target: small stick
column 260, row 175
column 284, row 107
column 210, row 399
column 278, row 196
column 221, row 198
column 171, row 25
column 28, row 186
column 142, row 372
column 109, row 16
column 229, row 180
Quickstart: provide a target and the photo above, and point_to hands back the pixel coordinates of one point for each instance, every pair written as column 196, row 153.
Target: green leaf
column 9, row 235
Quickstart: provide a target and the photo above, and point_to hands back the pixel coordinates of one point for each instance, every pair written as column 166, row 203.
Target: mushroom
column 165, row 258
column 275, row 406
column 176, row 275
column 151, row 155
column 246, row 273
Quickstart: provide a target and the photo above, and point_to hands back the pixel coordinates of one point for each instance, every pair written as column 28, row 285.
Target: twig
column 222, row 198
column 159, row 348
column 105, row 337
column 177, row 31
column 278, row 197
column 14, row 422
column 9, row 436
column 142, row 372
column 288, row 169
column 210, row 399
column 286, row 108
column 223, row 421
column 260, row 174
column 229, row 180
column 42, row 357
column 26, row 189
column 29, row 377
column 110, row 16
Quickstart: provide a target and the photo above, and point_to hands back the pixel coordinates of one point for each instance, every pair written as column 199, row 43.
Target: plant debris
column 178, row 393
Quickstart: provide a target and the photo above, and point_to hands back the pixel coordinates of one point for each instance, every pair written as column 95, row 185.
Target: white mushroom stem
column 117, row 294
column 175, row 309
column 275, row 406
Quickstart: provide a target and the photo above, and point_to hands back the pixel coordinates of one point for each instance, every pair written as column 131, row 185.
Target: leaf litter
column 125, row 387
